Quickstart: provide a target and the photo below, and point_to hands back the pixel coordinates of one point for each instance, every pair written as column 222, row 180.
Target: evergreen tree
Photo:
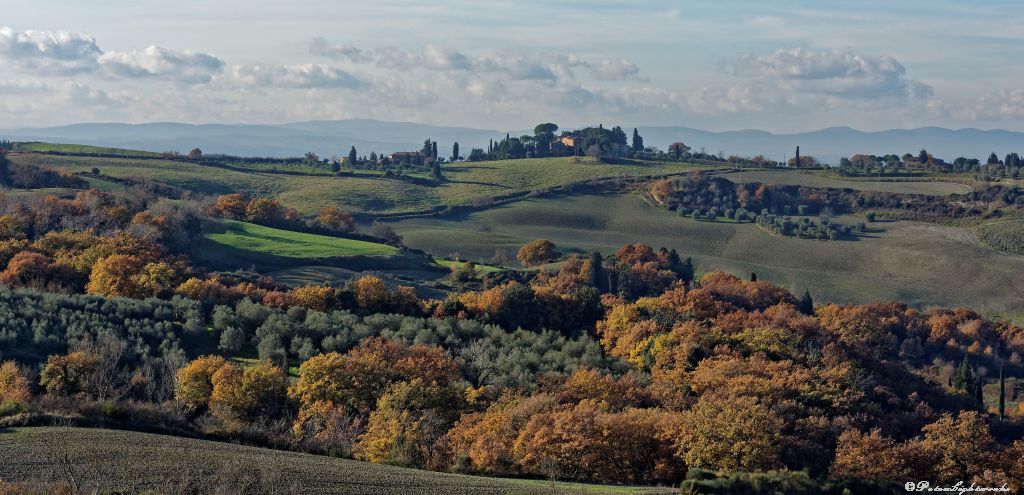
column 5, row 169
column 674, row 262
column 753, row 276
column 352, row 157
column 597, row 276
column 433, row 150
column 1012, row 160
column 993, row 159
column 963, row 379
column 686, row 270
column 806, row 304
column 613, row 282
column 373, row 156
column 922, row 156
column 455, row 152
column 638, row 142
column 428, row 149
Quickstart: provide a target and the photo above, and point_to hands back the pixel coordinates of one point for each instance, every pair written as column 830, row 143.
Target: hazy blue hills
column 835, row 142
column 334, row 137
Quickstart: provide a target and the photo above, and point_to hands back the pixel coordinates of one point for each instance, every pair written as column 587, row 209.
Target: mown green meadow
column 290, row 244
column 922, row 264
column 103, row 460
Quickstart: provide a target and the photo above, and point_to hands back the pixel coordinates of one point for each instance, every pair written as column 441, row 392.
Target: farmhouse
column 406, row 158
column 564, row 146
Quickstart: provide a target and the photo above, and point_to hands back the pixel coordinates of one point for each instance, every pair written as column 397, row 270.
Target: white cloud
column 514, row 66
column 187, row 67
column 324, row 48
column 614, row 70
column 1006, row 104
column 838, row 74
column 293, row 76
column 50, row 52
column 65, row 53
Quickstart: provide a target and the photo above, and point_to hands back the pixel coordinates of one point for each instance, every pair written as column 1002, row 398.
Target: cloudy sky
column 782, row 66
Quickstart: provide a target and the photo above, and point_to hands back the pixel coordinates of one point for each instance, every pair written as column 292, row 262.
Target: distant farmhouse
column 565, row 145
column 412, row 158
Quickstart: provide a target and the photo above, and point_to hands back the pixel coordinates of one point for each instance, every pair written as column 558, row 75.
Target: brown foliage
column 14, row 385
column 536, row 252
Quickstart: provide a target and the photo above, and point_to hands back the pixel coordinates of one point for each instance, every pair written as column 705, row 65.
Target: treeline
column 707, row 197
column 823, row 229
column 704, row 193
column 769, row 206
column 923, row 161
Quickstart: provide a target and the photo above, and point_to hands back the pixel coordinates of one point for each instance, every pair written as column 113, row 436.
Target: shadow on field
column 490, row 184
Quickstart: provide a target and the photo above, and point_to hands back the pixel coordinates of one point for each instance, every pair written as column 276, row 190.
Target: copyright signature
column 959, row 487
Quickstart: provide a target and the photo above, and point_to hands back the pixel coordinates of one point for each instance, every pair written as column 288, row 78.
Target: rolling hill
column 103, row 460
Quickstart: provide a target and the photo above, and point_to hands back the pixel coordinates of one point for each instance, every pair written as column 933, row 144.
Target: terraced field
column 820, row 179
column 367, row 192
column 104, row 460
column 1005, row 236
column 922, row 264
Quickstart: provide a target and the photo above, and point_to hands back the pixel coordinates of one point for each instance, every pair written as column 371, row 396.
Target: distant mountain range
column 333, row 138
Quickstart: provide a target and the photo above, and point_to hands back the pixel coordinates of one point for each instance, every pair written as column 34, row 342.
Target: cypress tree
column 674, row 262
column 686, row 271
column 597, row 276
column 806, row 305
column 433, row 150
column 638, row 142
column 352, row 157
column 455, row 152
column 753, row 276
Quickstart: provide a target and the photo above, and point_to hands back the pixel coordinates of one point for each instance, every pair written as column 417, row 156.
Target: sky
column 781, row 65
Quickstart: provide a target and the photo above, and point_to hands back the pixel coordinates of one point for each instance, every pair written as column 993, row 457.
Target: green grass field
column 369, row 192
column 103, row 460
column 480, row 267
column 810, row 178
column 79, row 148
column 921, row 264
column 288, row 244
